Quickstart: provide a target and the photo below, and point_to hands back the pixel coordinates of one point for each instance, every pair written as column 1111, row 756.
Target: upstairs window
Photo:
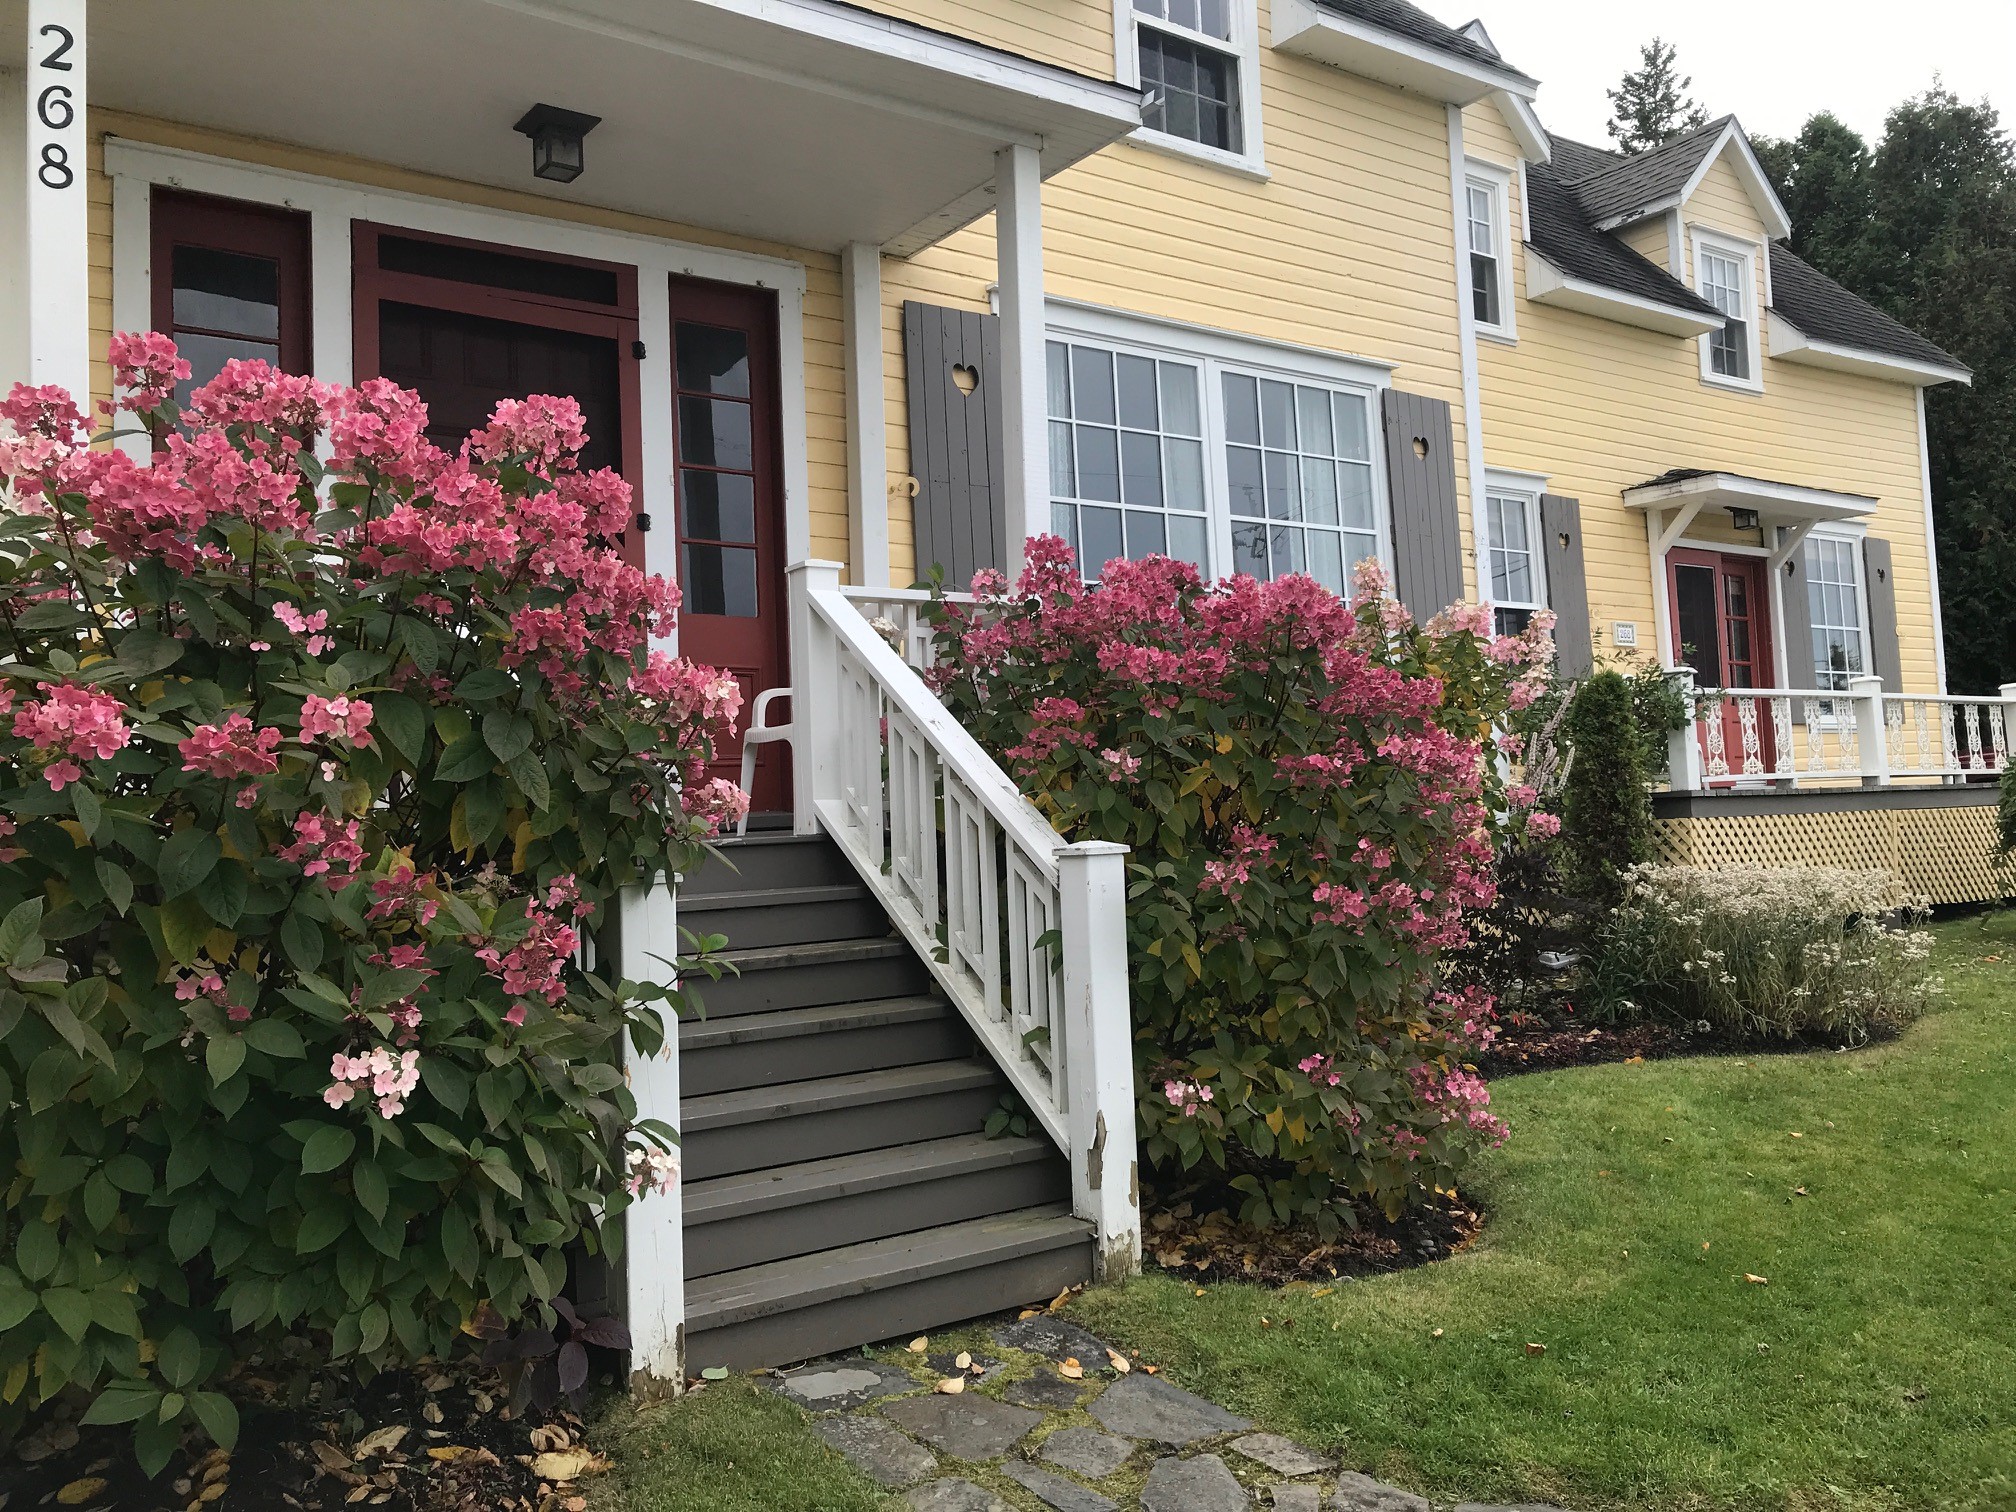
column 1194, row 61
column 1485, row 241
column 1723, row 273
column 1513, row 559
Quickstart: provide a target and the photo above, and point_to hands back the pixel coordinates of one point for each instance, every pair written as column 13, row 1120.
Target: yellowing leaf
column 919, row 1344
column 458, row 825
column 1118, row 1361
column 563, row 1464
column 79, row 1492
column 1276, row 1120
column 1756, row 1280
column 1071, row 1370
column 950, row 1386
column 964, row 1359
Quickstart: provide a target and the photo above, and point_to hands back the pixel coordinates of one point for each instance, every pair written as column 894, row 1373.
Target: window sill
column 1248, row 166
column 1733, row 385
column 1498, row 334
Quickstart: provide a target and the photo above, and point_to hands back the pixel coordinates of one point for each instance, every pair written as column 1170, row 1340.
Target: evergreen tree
column 1651, row 105
column 1822, row 177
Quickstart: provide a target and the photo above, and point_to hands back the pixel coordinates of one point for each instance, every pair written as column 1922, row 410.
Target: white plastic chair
column 760, row 733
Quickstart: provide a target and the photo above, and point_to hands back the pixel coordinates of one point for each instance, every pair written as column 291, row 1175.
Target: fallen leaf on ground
column 1071, row 1370
column 950, row 1386
column 1118, row 1361
column 1756, row 1280
column 1536, row 1349
column 919, row 1344
column 331, row 1457
column 1797, row 1135
column 1027, row 1312
column 379, row 1440
column 1435, row 1333
column 1799, row 1192
column 714, row 1373
column 79, row 1492
column 1151, row 1369
column 563, row 1464
column 963, row 1359
column 1063, row 1296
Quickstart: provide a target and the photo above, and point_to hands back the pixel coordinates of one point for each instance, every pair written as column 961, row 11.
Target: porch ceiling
column 807, row 122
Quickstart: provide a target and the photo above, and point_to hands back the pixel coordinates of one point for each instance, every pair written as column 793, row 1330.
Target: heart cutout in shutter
column 965, row 378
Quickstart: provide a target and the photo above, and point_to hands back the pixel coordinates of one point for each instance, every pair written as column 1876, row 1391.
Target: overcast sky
column 1770, row 62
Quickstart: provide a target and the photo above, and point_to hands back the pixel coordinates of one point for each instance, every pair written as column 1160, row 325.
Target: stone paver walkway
column 1050, row 1424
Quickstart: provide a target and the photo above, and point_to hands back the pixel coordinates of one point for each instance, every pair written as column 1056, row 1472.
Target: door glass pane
column 1353, row 438
column 1145, row 535
column 715, row 433
column 1286, row 547
column 719, row 580
column 713, row 359
column 1326, row 560
column 232, row 293
column 1061, row 477
column 717, row 506
column 1137, row 392
column 1186, row 539
column 1695, row 608
column 1284, row 496
column 1356, row 499
column 1242, row 410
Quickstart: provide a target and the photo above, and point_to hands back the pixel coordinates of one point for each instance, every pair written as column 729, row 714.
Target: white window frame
column 1213, row 353
column 1745, row 255
column 1243, row 46
column 1852, row 541
column 1496, row 183
column 1524, row 490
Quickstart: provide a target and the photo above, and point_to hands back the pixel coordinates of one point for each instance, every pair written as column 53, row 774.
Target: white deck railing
column 1777, row 737
column 1026, row 933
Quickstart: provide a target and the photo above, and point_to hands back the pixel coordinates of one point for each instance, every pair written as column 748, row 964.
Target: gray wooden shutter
column 955, row 438
column 1800, row 670
column 1421, row 482
column 1567, row 585
column 1885, row 660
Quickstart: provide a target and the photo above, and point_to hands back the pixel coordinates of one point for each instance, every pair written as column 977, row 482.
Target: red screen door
column 1722, row 629
column 731, row 503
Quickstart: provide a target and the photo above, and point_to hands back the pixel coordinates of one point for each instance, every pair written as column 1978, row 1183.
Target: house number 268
column 54, row 109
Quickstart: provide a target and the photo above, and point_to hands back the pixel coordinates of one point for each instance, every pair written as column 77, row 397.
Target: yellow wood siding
column 1721, row 203
column 1651, row 239
column 825, row 391
column 1073, row 34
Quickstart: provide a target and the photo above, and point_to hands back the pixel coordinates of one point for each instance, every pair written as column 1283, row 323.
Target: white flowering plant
column 1764, row 952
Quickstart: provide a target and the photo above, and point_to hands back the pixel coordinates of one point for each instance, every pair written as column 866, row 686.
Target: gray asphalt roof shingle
column 1628, row 184
column 1825, row 311
column 1415, row 24
column 1563, row 234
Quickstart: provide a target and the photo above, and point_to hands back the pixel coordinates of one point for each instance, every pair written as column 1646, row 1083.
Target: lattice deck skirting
column 1944, row 853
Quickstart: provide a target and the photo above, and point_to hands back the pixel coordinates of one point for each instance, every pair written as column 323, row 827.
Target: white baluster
column 1746, row 720
column 1785, row 753
column 1971, row 716
column 1718, row 756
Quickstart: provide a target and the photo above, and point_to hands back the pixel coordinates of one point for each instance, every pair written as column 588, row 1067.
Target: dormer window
column 1194, row 61
column 1723, row 274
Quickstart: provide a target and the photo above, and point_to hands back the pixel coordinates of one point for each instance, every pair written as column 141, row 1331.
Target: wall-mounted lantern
column 558, row 151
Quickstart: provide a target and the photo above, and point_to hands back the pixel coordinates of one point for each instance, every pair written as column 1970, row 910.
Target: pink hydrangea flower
column 391, row 1079
column 231, row 749
column 309, row 625
column 84, row 722
column 1186, row 1097
column 341, row 718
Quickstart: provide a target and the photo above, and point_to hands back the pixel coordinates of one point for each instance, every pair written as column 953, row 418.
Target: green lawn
column 1873, row 1371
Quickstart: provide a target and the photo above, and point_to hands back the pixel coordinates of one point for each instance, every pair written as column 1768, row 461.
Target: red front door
column 1722, row 629
column 730, row 503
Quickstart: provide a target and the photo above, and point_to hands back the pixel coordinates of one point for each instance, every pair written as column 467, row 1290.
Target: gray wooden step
column 759, row 861
column 812, row 975
column 798, row 1044
column 751, row 1219
column 760, row 916
column 796, row 1309
column 723, row 1133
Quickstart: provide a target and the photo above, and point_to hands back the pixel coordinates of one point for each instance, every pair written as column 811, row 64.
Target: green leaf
column 422, row 643
column 597, row 1077
column 118, row 885
column 82, row 1037
column 327, row 1148
column 275, row 1037
column 189, row 1229
column 69, row 1309
column 130, row 1173
column 18, row 928
column 16, row 1304
column 55, row 614
column 466, row 758
column 319, row 1227
column 484, row 682
column 367, row 1181
column 714, row 1373
column 301, row 938
column 223, row 893
column 529, row 772
column 122, row 1402
column 114, row 1311
column 101, row 1200
column 391, row 986
column 498, row 1169
column 143, row 652
column 179, row 1358
column 84, row 803
column 218, row 1416
column 403, row 721
column 224, row 1055
column 52, row 1076
column 185, row 925
column 506, row 733
column 37, row 1250
column 373, row 1324
column 187, row 857
column 447, row 1081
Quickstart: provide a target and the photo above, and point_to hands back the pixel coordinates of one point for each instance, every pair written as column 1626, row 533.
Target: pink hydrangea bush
column 322, row 749
column 1310, row 790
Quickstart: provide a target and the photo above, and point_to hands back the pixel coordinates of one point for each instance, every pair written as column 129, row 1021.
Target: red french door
column 730, row 504
column 1722, row 629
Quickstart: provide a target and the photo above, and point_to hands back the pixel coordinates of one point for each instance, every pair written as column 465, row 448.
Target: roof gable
column 1619, row 190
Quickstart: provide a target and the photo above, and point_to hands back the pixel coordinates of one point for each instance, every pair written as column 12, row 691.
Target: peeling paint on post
column 654, row 1259
column 1098, row 1058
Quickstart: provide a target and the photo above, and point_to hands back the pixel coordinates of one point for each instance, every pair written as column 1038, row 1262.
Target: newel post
column 1684, row 770
column 654, row 1256
column 1097, row 1054
column 815, row 695
column 1872, row 738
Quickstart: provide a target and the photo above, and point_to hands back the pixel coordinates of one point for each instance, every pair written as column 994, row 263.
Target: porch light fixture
column 1743, row 519
column 557, row 150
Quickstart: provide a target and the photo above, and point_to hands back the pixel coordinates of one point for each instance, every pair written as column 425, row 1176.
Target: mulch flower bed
column 426, row 1440
column 1199, row 1241
column 1546, row 1042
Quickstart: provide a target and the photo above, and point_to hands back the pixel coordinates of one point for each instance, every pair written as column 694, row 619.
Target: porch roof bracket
column 1793, row 538
column 1671, row 531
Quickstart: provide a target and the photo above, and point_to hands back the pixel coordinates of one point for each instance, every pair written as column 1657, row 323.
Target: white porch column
column 58, row 295
column 1872, row 737
column 1685, row 772
column 867, row 425
column 1018, row 230
column 815, row 697
column 654, row 1255
column 1098, row 1057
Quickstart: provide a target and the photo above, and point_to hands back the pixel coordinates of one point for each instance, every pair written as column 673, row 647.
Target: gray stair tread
column 856, row 1269
column 817, row 953
column 772, row 897
column 790, row 1023
column 716, row 1110
column 836, row 1176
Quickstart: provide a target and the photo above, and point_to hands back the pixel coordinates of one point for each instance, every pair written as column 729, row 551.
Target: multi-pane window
column 1298, row 463
column 1834, row 608
column 1481, row 222
column 1725, row 285
column 1126, row 455
column 230, row 281
column 1189, row 65
column 1513, row 557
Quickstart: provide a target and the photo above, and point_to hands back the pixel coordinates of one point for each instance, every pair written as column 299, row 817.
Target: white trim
column 1777, row 225
column 1853, row 534
column 333, row 204
column 1025, row 440
column 1524, row 124
column 56, row 206
column 1525, row 207
column 1466, row 333
column 1186, row 338
column 1775, row 503
column 1372, row 52
column 1244, row 45
column 1931, row 549
column 1496, row 182
column 867, row 418
column 1512, row 480
column 1547, row 284
column 1676, row 252
column 1744, row 254
column 1790, row 344
column 1524, row 489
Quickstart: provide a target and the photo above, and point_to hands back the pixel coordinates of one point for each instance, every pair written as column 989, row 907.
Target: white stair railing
column 1026, row 933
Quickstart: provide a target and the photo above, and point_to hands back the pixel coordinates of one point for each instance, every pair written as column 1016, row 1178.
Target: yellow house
column 850, row 292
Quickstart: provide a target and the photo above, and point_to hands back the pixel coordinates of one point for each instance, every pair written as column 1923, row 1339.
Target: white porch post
column 1872, row 739
column 1684, row 770
column 1018, row 231
column 815, row 710
column 1098, row 1051
column 867, row 425
column 654, row 1257
column 58, row 306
